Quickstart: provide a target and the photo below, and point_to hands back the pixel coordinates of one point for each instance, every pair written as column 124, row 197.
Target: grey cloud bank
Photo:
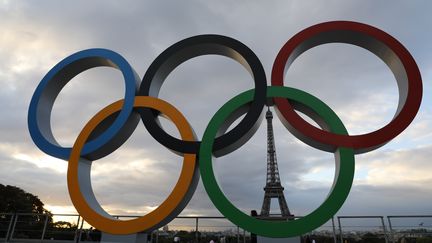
column 357, row 85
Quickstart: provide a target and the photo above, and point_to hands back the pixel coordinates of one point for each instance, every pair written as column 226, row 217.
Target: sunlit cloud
column 56, row 209
column 400, row 167
column 138, row 176
column 40, row 160
column 43, row 161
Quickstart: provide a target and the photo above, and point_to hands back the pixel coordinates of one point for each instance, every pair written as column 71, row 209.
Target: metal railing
column 32, row 227
column 378, row 236
column 411, row 230
column 22, row 227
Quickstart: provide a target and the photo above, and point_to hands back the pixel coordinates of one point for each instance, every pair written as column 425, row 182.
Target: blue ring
column 41, row 104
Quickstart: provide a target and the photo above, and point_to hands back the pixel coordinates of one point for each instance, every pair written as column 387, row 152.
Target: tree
column 16, row 200
column 424, row 240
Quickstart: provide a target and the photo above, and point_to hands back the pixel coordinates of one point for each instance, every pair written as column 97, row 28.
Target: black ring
column 189, row 48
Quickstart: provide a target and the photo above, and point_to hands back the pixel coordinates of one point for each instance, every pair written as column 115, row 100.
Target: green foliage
column 64, row 225
column 16, row 200
column 27, row 210
column 424, row 240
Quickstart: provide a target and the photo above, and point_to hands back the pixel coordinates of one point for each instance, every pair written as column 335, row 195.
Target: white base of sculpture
column 133, row 238
column 261, row 239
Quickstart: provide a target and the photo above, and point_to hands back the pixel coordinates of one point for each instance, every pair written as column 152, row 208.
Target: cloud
column 137, row 177
column 46, row 183
column 399, row 167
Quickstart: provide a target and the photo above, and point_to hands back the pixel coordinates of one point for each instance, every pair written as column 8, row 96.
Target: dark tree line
column 16, row 200
column 32, row 215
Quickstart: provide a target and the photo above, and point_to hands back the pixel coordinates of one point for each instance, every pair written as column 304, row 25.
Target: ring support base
column 261, row 239
column 132, row 238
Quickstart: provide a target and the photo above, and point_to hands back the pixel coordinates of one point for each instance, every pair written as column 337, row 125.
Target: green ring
column 279, row 229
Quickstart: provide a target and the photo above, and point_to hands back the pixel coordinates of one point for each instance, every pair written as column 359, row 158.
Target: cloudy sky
column 34, row 36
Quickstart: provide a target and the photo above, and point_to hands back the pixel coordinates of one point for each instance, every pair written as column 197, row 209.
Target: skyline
column 35, row 37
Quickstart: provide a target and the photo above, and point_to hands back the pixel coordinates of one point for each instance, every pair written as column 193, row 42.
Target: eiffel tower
column 273, row 187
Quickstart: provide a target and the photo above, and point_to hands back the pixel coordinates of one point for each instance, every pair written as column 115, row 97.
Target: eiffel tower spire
column 273, row 187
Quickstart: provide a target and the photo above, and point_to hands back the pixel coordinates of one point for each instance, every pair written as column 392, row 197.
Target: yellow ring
column 168, row 208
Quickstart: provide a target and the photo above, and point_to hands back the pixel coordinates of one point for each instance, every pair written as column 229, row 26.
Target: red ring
column 393, row 53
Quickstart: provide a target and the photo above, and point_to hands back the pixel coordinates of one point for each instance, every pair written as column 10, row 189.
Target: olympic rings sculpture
column 114, row 124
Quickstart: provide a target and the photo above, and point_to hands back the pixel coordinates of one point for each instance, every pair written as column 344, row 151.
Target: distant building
column 165, row 228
